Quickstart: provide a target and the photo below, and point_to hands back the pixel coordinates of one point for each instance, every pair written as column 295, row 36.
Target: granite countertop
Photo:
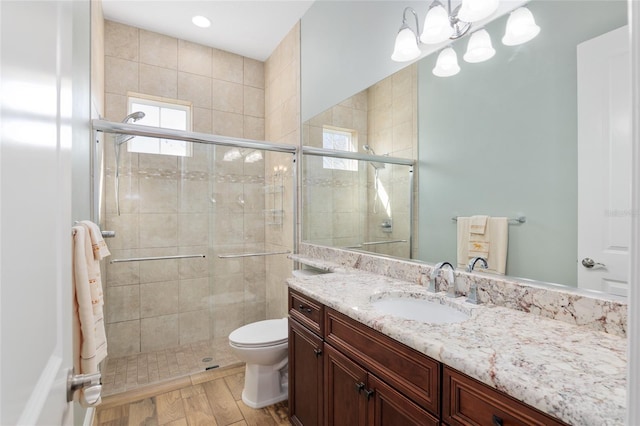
column 570, row 372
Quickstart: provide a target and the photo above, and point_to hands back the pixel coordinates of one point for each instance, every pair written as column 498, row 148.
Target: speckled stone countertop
column 573, row 373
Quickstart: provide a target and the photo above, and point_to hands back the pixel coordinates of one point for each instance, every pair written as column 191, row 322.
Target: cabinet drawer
column 467, row 401
column 407, row 370
column 306, row 311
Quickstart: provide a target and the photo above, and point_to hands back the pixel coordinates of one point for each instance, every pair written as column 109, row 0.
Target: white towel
column 492, row 245
column 90, row 342
column 478, row 224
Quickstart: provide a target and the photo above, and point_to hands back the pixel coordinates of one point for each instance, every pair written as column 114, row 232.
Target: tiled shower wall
column 385, row 117
column 189, row 205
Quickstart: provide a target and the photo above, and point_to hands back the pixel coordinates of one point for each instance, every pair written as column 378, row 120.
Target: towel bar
column 516, row 220
column 232, row 256
column 142, row 259
column 372, row 243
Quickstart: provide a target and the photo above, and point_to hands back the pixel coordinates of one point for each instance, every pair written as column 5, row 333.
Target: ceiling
column 251, row 28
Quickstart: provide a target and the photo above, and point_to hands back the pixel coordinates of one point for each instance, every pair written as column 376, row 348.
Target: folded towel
column 99, row 247
column 478, row 224
column 90, row 342
column 492, row 245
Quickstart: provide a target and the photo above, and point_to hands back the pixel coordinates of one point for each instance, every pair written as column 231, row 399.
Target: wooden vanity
column 342, row 372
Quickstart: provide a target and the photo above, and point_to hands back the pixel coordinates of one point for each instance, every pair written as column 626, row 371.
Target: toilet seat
column 260, row 334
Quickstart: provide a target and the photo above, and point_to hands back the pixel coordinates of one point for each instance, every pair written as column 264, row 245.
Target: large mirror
column 501, row 139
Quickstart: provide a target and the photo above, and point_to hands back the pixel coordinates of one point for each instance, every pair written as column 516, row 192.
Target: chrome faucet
column 433, row 286
column 472, row 297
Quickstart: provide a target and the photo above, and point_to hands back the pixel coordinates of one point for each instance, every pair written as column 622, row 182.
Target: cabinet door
column 345, row 387
column 305, row 376
column 388, row 407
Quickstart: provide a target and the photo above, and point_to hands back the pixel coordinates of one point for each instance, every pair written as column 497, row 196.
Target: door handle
column 91, row 383
column 589, row 263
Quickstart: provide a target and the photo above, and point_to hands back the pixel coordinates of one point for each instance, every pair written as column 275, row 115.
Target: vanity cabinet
column 306, row 361
column 467, row 401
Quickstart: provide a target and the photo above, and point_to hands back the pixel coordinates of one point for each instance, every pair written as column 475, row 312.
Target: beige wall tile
column 194, row 294
column 194, row 88
column 158, row 81
column 196, row 267
column 193, row 229
column 115, row 107
column 228, row 124
column 122, row 303
column 194, row 326
column 158, row 299
column 152, row 271
column 158, row 195
column 126, row 229
column 202, row 120
column 194, row 196
column 123, row 337
column 253, row 73
column 254, row 102
column 121, row 76
column 253, row 128
column 159, row 332
column 227, row 318
column 158, row 49
column 227, row 96
column 158, row 230
column 194, row 58
column 227, row 66
column 125, row 273
column 121, row 41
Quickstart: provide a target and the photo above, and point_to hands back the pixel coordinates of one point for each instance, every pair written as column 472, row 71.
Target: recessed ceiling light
column 201, row 21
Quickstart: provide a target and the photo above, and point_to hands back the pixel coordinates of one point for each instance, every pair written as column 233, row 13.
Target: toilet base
column 263, row 385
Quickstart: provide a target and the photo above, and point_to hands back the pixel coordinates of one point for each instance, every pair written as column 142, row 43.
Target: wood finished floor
column 212, row 399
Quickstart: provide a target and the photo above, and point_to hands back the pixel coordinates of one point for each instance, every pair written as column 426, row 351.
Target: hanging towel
column 492, row 245
column 478, row 224
column 90, row 342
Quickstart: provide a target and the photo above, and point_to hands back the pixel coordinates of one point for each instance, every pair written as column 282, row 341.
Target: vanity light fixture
column 441, row 25
column 201, row 21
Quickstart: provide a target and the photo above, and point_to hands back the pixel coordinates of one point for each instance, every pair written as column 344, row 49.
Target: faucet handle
column 472, row 296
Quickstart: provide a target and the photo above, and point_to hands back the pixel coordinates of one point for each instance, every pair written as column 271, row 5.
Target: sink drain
column 207, row 359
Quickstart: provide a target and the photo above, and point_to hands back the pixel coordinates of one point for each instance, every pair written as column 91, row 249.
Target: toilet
column 263, row 346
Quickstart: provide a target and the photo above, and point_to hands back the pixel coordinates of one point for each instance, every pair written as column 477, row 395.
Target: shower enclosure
column 199, row 250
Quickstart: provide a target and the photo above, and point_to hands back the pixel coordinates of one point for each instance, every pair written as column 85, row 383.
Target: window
column 168, row 115
column 341, row 140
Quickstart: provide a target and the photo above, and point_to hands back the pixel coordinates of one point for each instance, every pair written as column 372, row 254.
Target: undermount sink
column 419, row 310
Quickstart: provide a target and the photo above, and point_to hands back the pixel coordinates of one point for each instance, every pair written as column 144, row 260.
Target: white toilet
column 263, row 347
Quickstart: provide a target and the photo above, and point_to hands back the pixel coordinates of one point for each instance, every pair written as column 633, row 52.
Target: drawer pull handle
column 304, row 308
column 317, row 351
column 369, row 393
column 497, row 421
column 359, row 386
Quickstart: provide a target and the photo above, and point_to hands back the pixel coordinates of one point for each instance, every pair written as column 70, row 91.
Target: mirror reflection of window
column 168, row 115
column 340, row 140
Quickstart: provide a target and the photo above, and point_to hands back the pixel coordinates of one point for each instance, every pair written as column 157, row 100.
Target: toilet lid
column 261, row 333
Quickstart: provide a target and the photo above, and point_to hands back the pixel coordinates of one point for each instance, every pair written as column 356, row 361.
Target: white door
column 35, row 212
column 604, row 162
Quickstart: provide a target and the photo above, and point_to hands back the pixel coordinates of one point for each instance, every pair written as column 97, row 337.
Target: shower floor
column 131, row 372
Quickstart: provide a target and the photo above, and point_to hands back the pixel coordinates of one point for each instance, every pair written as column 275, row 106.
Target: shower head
column 376, row 165
column 135, row 116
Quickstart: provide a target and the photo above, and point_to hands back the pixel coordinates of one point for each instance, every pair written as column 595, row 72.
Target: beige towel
column 492, row 245
column 90, row 343
column 478, row 224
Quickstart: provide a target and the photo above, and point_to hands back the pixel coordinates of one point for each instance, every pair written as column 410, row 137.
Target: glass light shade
column 479, row 48
column 406, row 47
column 447, row 63
column 521, row 27
column 437, row 27
column 476, row 10
column 201, row 21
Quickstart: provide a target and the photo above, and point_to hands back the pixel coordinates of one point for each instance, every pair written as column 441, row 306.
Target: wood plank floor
column 211, row 399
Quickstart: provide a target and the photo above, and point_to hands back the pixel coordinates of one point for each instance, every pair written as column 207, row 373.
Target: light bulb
column 479, row 48
column 406, row 47
column 521, row 27
column 447, row 63
column 437, row 27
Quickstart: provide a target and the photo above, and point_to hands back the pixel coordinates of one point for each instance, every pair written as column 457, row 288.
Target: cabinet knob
column 317, row 351
column 304, row 309
column 496, row 421
column 369, row 393
column 359, row 386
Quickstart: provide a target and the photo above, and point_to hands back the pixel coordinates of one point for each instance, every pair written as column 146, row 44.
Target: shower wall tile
column 197, row 162
column 193, row 229
column 121, row 75
column 125, row 273
column 194, row 326
column 126, row 229
column 158, row 270
column 194, row 196
column 158, row 299
column 253, row 73
column 115, row 108
column 194, row 294
column 159, row 332
column 160, row 165
column 129, row 200
column 158, row 230
column 158, row 195
column 159, row 81
column 227, row 66
column 225, row 319
column 158, row 49
column 195, row 267
column 255, row 311
column 121, row 41
column 123, row 337
column 253, row 102
column 202, row 120
column 253, row 128
column 227, row 124
column 123, row 303
column 195, row 88
column 227, row 96
column 194, row 58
